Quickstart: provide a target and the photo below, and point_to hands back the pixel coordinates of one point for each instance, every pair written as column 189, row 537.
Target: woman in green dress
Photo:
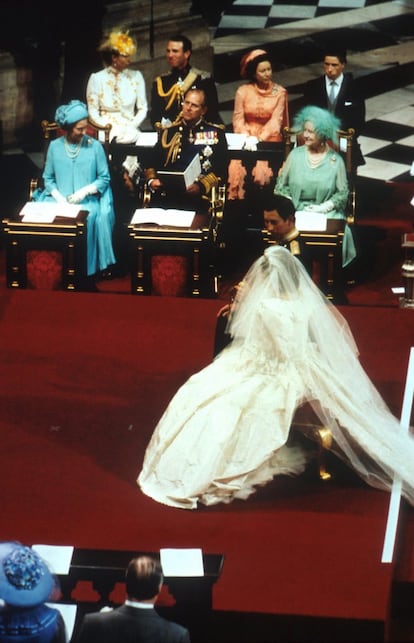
column 314, row 174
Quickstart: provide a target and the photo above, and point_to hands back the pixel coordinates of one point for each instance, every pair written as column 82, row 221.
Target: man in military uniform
column 279, row 221
column 177, row 145
column 168, row 90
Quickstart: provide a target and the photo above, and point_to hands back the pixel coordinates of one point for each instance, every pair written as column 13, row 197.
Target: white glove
column 323, row 208
column 127, row 134
column 131, row 165
column 82, row 193
column 58, row 196
column 251, row 143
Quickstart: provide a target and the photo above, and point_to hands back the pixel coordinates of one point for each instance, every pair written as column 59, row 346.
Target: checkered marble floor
column 260, row 14
column 379, row 38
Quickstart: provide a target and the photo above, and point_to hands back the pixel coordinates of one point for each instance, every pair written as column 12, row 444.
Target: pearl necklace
column 72, row 149
column 314, row 159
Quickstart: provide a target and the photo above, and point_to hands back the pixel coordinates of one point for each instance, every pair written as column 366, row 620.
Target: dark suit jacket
column 128, row 624
column 349, row 107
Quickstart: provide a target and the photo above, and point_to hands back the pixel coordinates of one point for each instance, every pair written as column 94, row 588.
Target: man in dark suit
column 136, row 620
column 337, row 92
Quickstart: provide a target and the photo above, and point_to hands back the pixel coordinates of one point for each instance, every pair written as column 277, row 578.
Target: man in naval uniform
column 177, row 145
column 167, row 90
column 279, row 221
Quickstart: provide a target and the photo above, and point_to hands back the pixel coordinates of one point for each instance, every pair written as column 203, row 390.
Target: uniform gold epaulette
column 294, row 247
column 217, row 125
column 201, row 72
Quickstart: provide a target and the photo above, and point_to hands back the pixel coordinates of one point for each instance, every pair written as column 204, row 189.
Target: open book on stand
column 310, row 221
column 47, row 211
column 161, row 217
column 176, row 180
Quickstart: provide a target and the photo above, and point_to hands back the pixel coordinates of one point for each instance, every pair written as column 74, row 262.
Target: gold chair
column 307, row 424
column 208, row 233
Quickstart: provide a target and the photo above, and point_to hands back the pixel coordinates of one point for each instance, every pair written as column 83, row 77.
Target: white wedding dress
column 225, row 430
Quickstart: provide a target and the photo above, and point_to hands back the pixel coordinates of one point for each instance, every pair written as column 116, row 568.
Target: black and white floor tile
column 379, row 38
column 261, row 14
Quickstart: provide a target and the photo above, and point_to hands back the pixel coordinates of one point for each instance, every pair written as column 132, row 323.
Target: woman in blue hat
column 76, row 171
column 25, row 584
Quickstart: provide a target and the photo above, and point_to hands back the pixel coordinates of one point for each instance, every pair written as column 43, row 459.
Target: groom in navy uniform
column 136, row 619
column 336, row 91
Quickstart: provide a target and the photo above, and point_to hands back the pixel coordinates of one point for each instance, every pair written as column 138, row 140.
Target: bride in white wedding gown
column 225, row 431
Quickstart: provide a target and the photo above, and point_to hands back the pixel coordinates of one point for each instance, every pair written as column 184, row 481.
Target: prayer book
column 179, row 181
column 47, row 211
column 310, row 221
column 58, row 557
column 163, row 217
column 182, row 562
column 235, row 141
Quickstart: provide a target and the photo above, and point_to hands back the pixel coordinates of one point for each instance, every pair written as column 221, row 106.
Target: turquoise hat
column 71, row 113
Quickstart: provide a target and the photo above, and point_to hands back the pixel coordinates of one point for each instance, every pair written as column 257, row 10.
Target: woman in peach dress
column 261, row 113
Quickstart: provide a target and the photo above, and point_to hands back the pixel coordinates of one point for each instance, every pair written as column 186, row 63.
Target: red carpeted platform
column 85, row 378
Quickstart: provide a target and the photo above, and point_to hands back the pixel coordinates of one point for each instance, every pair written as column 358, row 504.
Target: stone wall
column 15, row 99
column 151, row 28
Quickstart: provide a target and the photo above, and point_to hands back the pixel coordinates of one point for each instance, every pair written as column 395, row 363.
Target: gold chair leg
column 323, row 437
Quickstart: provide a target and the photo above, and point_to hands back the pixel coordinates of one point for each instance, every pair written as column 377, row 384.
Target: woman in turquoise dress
column 76, row 171
column 314, row 174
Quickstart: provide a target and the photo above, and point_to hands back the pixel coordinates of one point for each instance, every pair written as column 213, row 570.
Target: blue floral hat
column 25, row 580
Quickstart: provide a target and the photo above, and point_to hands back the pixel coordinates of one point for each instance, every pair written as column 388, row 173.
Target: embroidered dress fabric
column 226, row 429
column 118, row 98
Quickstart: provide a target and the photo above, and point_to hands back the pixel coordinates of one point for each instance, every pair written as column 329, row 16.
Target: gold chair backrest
column 51, row 130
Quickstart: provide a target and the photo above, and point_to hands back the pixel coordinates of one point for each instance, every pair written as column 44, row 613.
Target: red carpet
column 84, row 381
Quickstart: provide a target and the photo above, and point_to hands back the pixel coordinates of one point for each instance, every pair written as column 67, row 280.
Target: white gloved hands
column 127, row 134
column 251, row 143
column 82, row 193
column 322, row 208
column 58, row 196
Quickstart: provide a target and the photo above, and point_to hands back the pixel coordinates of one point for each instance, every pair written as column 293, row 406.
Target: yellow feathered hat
column 121, row 42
